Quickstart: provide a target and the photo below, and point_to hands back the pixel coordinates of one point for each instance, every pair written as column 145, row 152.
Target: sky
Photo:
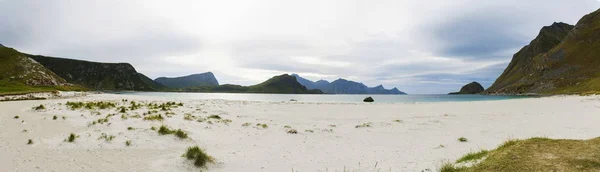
column 418, row 46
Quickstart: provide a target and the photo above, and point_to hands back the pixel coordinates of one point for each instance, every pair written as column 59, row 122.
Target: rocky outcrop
column 369, row 99
column 471, row 88
column 562, row 59
column 99, row 76
column 195, row 80
column 342, row 86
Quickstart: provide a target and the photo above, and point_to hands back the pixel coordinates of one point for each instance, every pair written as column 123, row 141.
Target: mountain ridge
column 193, row 80
column 281, row 84
column 343, row 86
column 562, row 59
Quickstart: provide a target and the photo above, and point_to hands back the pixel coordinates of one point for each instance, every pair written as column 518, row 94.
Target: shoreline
column 351, row 136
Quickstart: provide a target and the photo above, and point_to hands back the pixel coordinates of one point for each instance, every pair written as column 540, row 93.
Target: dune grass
column 158, row 117
column 462, row 139
column 198, row 155
column 71, row 138
column 164, row 130
column 536, row 154
column 473, row 156
column 29, row 142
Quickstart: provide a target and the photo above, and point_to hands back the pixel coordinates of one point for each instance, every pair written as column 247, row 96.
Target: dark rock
column 471, row 88
column 369, row 99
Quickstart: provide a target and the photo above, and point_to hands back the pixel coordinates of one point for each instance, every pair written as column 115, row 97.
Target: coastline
column 412, row 144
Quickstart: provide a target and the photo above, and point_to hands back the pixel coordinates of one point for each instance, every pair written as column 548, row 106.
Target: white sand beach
column 401, row 137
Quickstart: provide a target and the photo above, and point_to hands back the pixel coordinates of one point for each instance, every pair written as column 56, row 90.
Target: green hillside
column 562, row 60
column 99, row 76
column 19, row 74
column 282, row 84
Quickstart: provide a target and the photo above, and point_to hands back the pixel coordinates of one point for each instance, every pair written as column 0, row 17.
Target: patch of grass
column 123, row 116
column 214, row 117
column 107, row 138
column 71, row 138
column 462, row 139
column 164, row 130
column 368, row 124
column 64, row 117
column 181, row 134
column 198, row 155
column 130, row 128
column 29, row 142
column 473, row 156
column 123, row 110
column 246, row 124
column 188, row 117
column 398, row 121
column 16, row 117
column 128, row 143
column 54, row 117
column 287, row 126
column 309, row 131
column 262, row 125
column 332, row 125
column 449, row 167
column 90, row 105
column 158, row 117
column 540, row 154
column 40, row 107
column 153, row 128
column 292, row 131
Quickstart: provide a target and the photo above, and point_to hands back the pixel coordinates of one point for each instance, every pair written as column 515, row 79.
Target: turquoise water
column 325, row 98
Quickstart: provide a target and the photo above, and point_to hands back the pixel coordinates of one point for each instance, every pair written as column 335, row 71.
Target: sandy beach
column 331, row 136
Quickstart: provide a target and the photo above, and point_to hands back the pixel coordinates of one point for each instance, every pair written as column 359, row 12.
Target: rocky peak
column 471, row 88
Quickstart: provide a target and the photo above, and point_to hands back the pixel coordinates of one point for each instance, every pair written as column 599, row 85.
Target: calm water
column 325, row 98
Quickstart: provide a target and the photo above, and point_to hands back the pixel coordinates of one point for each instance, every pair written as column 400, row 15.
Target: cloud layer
column 427, row 46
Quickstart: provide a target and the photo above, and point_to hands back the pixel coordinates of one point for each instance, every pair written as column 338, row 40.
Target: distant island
column 342, row 86
column 282, row 84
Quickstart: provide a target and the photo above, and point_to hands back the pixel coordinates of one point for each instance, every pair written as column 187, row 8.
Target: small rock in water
column 293, row 100
column 368, row 99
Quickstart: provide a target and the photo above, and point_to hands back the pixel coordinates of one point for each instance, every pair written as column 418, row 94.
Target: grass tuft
column 214, row 117
column 40, row 107
column 71, row 138
column 16, row 117
column 473, row 156
column 198, row 155
column 368, row 124
column 128, row 143
column 54, row 117
column 158, row 117
column 29, row 142
column 462, row 139
column 292, row 131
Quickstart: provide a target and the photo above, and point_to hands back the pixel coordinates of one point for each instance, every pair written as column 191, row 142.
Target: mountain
column 20, row 74
column 282, row 84
column 471, row 88
column 195, row 80
column 562, row 59
column 99, row 76
column 342, row 86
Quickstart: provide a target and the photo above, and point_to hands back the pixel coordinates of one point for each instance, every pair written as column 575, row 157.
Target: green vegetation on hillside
column 99, row 76
column 563, row 59
column 282, row 84
column 20, row 75
column 535, row 154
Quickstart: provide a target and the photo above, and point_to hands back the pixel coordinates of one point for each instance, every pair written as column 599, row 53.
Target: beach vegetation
column 198, row 155
column 292, row 131
column 54, row 117
column 462, row 139
column 473, row 156
column 130, row 128
column 368, row 124
column 287, row 126
column 71, row 138
column 264, row 126
column 128, row 143
column 246, row 124
column 164, row 130
column 536, row 154
column 16, row 117
column 29, row 142
column 214, row 117
column 158, row 117
column 40, row 107
column 309, row 131
column 106, row 137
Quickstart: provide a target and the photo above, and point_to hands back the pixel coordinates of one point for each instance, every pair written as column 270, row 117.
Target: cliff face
column 471, row 88
column 195, row 80
column 99, row 76
column 562, row 59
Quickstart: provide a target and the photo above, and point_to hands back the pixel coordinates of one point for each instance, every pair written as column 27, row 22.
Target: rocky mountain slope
column 471, row 88
column 562, row 59
column 342, row 86
column 282, row 84
column 99, row 76
column 195, row 80
column 21, row 74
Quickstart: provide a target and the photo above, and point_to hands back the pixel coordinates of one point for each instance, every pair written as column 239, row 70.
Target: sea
column 326, row 98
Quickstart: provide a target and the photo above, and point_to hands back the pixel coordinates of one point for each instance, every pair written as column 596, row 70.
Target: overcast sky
column 419, row 46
